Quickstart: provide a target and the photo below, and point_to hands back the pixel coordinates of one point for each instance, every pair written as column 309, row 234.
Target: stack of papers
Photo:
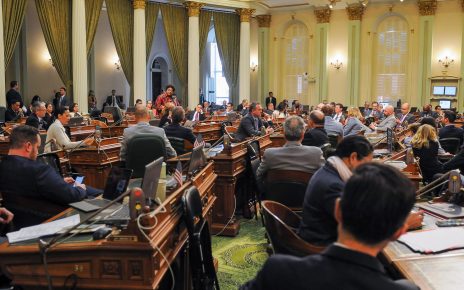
column 47, row 229
column 434, row 241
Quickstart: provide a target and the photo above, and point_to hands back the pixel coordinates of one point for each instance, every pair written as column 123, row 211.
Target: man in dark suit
column 271, row 99
column 13, row 95
column 114, row 101
column 405, row 118
column 450, row 131
column 293, row 155
column 368, row 222
column 175, row 129
column 198, row 114
column 316, row 135
column 12, row 114
column 251, row 124
column 36, row 118
column 61, row 100
column 23, row 180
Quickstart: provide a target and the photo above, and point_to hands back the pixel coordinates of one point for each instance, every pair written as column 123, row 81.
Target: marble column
column 193, row 53
column 2, row 62
column 140, row 54
column 244, row 65
column 79, row 55
column 426, row 11
column 355, row 12
column 264, row 23
column 322, row 31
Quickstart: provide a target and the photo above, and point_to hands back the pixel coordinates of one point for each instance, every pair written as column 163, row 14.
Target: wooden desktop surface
column 111, row 264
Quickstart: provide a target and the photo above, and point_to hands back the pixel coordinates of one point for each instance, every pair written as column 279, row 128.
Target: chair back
column 450, row 145
column 281, row 224
column 2, row 114
column 43, row 139
column 333, row 139
column 178, row 144
column 154, row 122
column 253, row 149
column 287, row 187
column 51, row 159
column 193, row 211
column 327, row 150
column 143, row 149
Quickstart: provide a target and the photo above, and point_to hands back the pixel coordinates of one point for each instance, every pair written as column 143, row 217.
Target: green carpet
column 242, row 256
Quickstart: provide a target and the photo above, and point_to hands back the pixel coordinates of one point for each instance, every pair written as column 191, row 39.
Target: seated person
column 405, row 118
column 36, row 118
column 198, row 114
column 251, row 124
column 330, row 125
column 74, row 110
column 371, row 212
column 166, row 115
column 230, row 108
column 425, row 146
column 270, row 109
column 376, row 111
column 338, row 115
column 13, row 113
column 353, row 124
column 293, row 155
column 427, row 111
column 142, row 118
column 388, row 122
column 28, row 181
column 449, row 130
column 316, row 134
column 57, row 132
column 175, row 129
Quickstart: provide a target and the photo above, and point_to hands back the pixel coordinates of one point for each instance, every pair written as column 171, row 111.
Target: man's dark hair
column 428, row 121
column 63, row 88
column 437, row 106
column 253, row 106
column 36, row 106
column 450, row 115
column 376, row 202
column 230, row 104
column 375, row 103
column 317, row 117
column 178, row 115
column 23, row 134
column 71, row 109
column 340, row 105
column 327, row 110
column 13, row 84
column 138, row 101
column 60, row 111
column 170, row 86
column 355, row 143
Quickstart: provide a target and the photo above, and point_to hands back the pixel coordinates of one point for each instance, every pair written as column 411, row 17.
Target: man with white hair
column 388, row 122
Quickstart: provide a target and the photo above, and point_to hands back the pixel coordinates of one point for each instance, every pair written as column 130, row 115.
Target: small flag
column 199, row 141
column 178, row 173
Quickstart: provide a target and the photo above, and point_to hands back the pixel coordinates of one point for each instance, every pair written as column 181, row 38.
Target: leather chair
column 253, row 147
column 450, row 145
column 178, row 144
column 143, row 149
column 201, row 255
column 333, row 139
column 154, row 122
column 327, row 150
column 281, row 224
column 51, row 159
column 287, row 187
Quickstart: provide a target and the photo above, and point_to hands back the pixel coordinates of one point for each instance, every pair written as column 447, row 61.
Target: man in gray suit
column 142, row 118
column 388, row 122
column 331, row 126
column 293, row 155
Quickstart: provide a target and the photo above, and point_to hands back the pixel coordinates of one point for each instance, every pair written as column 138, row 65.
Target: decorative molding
column 427, row 7
column 245, row 14
column 355, row 11
column 323, row 14
column 265, row 20
column 193, row 8
column 139, row 4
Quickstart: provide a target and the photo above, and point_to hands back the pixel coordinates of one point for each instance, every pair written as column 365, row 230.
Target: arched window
column 295, row 64
column 391, row 59
column 217, row 89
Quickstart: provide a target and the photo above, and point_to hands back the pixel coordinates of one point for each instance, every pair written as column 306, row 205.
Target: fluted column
column 264, row 23
column 140, row 54
column 79, row 55
column 2, row 62
column 244, row 66
column 193, row 53
column 355, row 13
column 322, row 32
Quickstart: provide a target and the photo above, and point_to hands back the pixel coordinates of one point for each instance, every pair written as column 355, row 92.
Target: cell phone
column 79, row 179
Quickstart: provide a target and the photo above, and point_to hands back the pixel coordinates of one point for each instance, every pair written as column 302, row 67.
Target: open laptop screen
column 151, row 177
column 116, row 183
column 197, row 160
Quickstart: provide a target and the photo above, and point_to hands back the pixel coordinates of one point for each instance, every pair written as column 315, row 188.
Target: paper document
column 433, row 241
column 47, row 229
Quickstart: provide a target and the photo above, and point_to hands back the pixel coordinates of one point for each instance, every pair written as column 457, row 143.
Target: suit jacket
column 35, row 122
column 271, row 100
column 58, row 132
column 193, row 114
column 389, row 122
column 13, row 96
column 33, row 180
column 11, row 116
column 376, row 114
column 176, row 130
column 315, row 137
column 409, row 119
column 61, row 101
column 340, row 119
column 366, row 112
column 247, row 128
column 335, row 268
column 352, row 126
column 109, row 101
column 318, row 224
column 457, row 162
column 292, row 156
column 333, row 127
column 450, row 131
column 144, row 128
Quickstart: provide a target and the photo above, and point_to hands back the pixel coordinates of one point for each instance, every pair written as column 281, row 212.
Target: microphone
column 454, row 182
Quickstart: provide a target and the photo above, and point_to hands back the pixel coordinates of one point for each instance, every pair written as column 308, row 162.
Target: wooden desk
column 114, row 131
column 412, row 171
column 210, row 131
column 79, row 133
column 278, row 140
column 110, row 264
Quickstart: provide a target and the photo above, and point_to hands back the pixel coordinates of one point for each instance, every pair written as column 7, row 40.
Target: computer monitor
column 450, row 91
column 445, row 104
column 384, row 104
column 438, row 90
column 75, row 121
column 197, row 160
column 115, row 111
column 116, row 183
column 151, row 177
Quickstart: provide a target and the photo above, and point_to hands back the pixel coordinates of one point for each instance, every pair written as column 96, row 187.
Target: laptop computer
column 196, row 163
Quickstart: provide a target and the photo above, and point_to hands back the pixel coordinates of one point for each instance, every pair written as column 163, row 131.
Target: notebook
column 434, row 241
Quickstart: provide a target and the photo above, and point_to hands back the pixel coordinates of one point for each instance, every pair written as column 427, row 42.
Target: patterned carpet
column 242, row 256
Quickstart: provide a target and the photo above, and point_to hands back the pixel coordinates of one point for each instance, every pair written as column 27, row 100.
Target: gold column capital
column 265, row 20
column 193, row 8
column 139, row 4
column 323, row 14
column 355, row 11
column 427, row 7
column 245, row 14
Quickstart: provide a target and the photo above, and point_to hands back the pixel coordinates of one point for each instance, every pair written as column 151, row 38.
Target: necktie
column 256, row 124
column 196, row 116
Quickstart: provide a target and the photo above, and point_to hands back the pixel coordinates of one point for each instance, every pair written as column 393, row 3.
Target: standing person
column 114, row 100
column 13, row 95
column 164, row 98
column 49, row 118
column 61, row 100
column 92, row 101
column 271, row 99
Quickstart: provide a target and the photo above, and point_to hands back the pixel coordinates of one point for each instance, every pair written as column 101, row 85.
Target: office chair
column 143, row 149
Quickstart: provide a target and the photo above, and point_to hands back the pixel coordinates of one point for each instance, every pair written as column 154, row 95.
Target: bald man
column 405, row 117
column 388, row 122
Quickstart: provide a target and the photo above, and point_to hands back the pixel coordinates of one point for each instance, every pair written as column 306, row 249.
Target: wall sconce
column 332, row 3
column 117, row 64
column 446, row 62
column 337, row 64
column 253, row 67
